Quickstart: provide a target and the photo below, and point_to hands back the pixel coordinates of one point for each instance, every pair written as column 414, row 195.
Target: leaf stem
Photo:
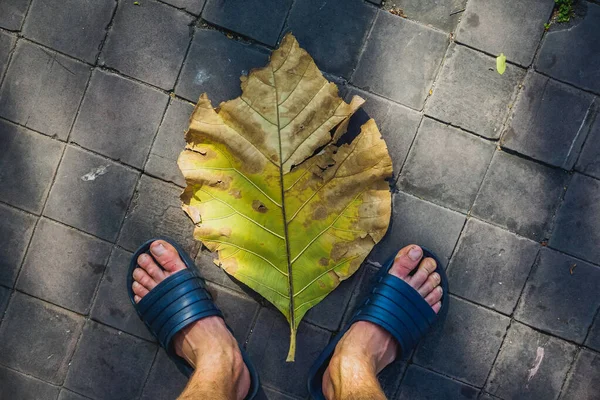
column 291, row 357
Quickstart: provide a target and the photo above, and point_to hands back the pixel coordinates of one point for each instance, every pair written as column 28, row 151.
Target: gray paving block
column 268, row 347
column 165, row 381
column 214, row 65
column 520, row 195
column 63, row 266
column 271, row 394
column 571, row 54
column 363, row 286
column 4, row 297
column 119, row 118
column 550, row 121
column 443, row 15
column 12, row 13
column 112, row 305
column 446, row 165
column 7, row 42
column 109, row 364
column 68, row 395
column 589, row 160
column 132, row 48
column 470, row 93
column 530, row 365
column 259, row 20
column 27, row 164
column 42, row 89
column 577, row 227
column 583, row 380
column 423, row 384
column 391, row 377
column 45, row 351
column 397, row 124
column 91, row 193
column 18, row 386
column 415, row 221
column 239, row 311
column 191, row 6
column 593, row 339
column 397, row 44
column 156, row 211
column 560, row 296
column 329, row 312
column 512, row 27
column 15, row 230
column 169, row 142
column 78, row 32
column 331, row 34
column 490, row 266
column 468, row 339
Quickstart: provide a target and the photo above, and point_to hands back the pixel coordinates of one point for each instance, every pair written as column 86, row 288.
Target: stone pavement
column 500, row 175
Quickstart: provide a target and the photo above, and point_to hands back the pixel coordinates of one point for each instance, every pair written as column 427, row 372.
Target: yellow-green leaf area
column 287, row 222
column 501, row 63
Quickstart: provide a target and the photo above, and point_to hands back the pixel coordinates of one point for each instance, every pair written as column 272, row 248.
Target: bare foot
column 367, row 347
column 206, row 344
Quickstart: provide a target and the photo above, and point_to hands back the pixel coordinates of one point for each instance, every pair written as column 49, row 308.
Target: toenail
column 415, row 253
column 159, row 249
column 439, row 288
column 436, row 276
column 143, row 258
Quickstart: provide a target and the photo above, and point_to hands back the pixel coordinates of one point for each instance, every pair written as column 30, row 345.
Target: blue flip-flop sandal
column 397, row 308
column 176, row 302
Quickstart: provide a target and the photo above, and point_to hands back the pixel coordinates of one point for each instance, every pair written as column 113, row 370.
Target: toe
column 137, row 298
column 432, row 282
column 434, row 296
column 426, row 268
column 148, row 264
column 437, row 306
column 406, row 260
column 167, row 256
column 139, row 290
column 142, row 277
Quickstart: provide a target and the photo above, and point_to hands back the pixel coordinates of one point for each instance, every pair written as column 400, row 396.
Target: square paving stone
column 38, row 338
column 132, row 48
column 239, row 311
column 583, row 380
column 18, row 386
column 63, row 266
column 560, row 296
column 415, row 221
column 589, row 160
column 272, row 394
column 332, row 34
column 423, row 384
column 12, row 13
column 398, row 124
column 165, row 381
column 443, row 15
column 214, row 65
column 530, row 365
column 391, row 377
column 91, row 193
column 520, row 195
column 398, row 45
column 169, row 142
column 4, row 297
column 365, row 280
column 156, row 211
column 261, row 20
column 27, row 164
column 593, row 338
column 512, row 27
column 7, row 41
column 490, row 266
column 42, row 89
column 109, row 364
column 78, row 32
column 119, row 118
column 268, row 347
column 15, row 230
column 538, row 127
column 572, row 54
column 469, row 339
column 112, row 305
column 469, row 93
column 191, row 6
column 68, row 395
column 577, row 227
column 446, row 165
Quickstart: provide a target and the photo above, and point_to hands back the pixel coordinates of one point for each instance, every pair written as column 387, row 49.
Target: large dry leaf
column 289, row 224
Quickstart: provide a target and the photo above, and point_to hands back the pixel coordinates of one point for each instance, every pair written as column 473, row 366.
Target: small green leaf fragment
column 501, row 63
column 136, row 3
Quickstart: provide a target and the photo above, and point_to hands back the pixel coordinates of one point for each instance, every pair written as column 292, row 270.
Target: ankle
column 346, row 373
